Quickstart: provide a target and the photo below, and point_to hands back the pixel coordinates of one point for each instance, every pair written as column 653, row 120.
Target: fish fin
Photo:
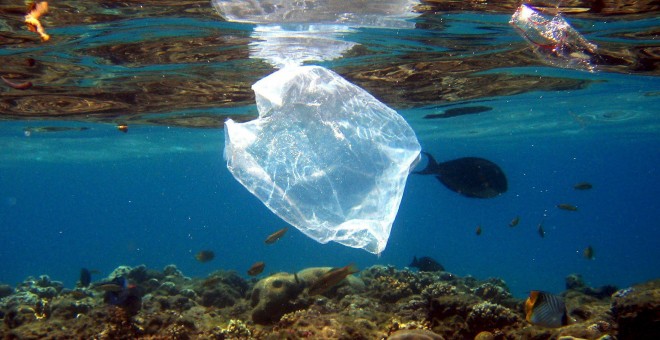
column 548, row 311
column 430, row 166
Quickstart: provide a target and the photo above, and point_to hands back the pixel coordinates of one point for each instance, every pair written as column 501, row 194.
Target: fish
column 566, row 206
column 426, row 264
column 272, row 238
column 588, row 253
column 478, row 230
column 85, row 277
column 205, row 256
column 583, row 186
column 459, row 111
column 122, row 127
column 545, row 309
column 469, row 176
column 119, row 292
column 514, row 222
column 331, row 279
column 19, row 86
column 256, row 268
column 541, row 230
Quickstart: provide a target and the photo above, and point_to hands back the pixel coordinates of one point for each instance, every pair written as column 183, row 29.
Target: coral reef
column 382, row 302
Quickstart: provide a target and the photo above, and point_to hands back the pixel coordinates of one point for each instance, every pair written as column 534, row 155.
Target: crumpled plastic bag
column 553, row 40
column 324, row 155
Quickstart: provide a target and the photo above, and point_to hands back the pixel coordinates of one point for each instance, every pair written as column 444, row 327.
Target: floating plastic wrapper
column 324, row 155
column 553, row 40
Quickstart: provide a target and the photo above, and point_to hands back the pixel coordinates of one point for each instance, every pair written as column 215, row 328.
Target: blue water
column 157, row 195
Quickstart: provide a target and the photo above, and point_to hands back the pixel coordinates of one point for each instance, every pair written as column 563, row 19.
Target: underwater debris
column 272, row 238
column 122, row 127
column 553, row 40
column 35, row 11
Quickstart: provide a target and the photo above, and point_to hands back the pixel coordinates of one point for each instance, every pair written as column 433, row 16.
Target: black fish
column 469, row 176
column 459, row 111
column 426, row 264
column 85, row 277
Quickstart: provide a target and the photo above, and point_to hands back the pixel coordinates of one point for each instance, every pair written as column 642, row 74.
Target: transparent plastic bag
column 324, row 155
column 553, row 40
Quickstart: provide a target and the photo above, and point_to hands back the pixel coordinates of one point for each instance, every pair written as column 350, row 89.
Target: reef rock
column 637, row 311
column 414, row 334
column 275, row 296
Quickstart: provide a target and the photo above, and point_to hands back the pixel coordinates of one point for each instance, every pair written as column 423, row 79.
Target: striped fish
column 545, row 309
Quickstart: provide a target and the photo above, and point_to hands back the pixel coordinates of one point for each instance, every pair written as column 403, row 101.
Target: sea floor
column 379, row 302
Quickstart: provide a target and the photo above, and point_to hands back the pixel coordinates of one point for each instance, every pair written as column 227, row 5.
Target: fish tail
column 431, row 164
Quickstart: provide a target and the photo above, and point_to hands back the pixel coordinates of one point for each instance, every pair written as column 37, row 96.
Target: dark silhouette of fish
column 540, row 229
column 272, row 238
column 583, row 186
column 514, row 222
column 588, row 253
column 469, row 176
column 426, row 264
column 459, row 111
column 118, row 292
column 478, row 231
column 545, row 309
column 256, row 268
column 566, row 206
column 205, row 256
column 85, row 277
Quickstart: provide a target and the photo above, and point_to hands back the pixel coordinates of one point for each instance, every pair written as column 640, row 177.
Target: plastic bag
column 324, row 155
column 553, row 40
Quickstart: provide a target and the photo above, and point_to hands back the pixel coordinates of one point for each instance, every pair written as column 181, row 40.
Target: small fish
column 588, row 253
column 478, row 230
column 85, row 277
column 272, row 238
column 205, row 256
column 583, row 186
column 122, row 127
column 47, row 129
column 514, row 222
column 566, row 206
column 19, row 86
column 426, row 264
column 115, row 285
column 545, row 309
column 256, row 268
column 541, row 230
column 331, row 279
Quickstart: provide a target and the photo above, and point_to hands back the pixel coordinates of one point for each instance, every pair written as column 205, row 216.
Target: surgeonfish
column 583, row 186
column 514, row 222
column 545, row 309
column 478, row 231
column 588, row 253
column 426, row 264
column 566, row 206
